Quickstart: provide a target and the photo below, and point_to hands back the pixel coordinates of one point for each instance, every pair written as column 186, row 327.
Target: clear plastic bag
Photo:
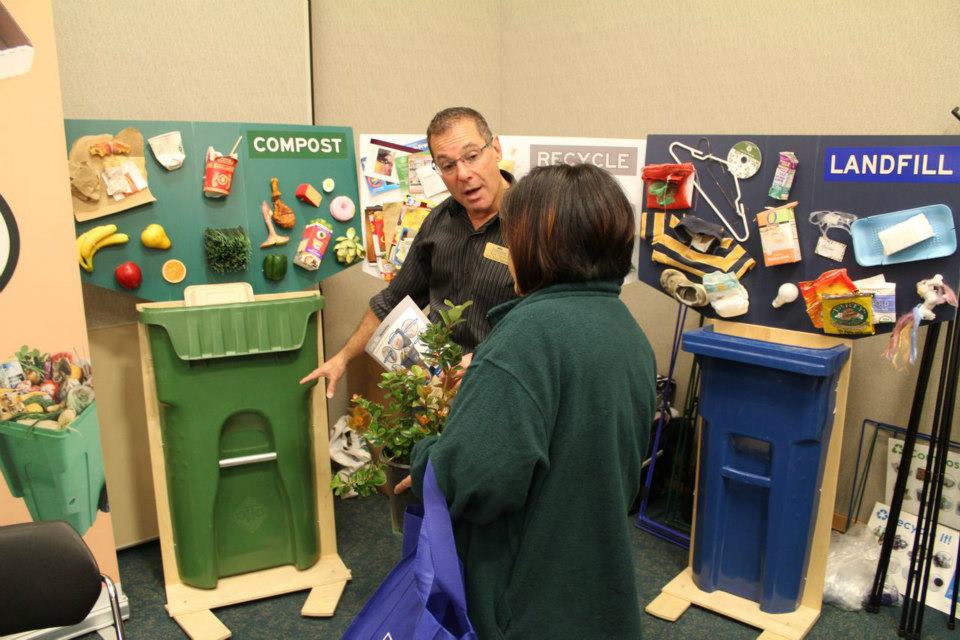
column 347, row 449
column 851, row 567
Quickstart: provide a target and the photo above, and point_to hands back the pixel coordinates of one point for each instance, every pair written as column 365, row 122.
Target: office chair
column 49, row 578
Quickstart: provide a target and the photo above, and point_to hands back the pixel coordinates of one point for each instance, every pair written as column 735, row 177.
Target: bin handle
column 744, row 477
column 239, row 461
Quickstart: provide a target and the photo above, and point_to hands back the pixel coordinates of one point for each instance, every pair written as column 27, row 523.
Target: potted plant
column 416, row 404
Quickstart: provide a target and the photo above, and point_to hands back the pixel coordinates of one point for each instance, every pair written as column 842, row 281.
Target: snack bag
column 848, row 313
column 833, row 282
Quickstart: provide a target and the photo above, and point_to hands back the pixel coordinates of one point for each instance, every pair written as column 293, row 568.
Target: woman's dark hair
column 567, row 223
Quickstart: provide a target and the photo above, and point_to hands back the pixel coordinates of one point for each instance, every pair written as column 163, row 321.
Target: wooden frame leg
column 770, row 635
column 202, row 625
column 668, row 607
column 323, row 600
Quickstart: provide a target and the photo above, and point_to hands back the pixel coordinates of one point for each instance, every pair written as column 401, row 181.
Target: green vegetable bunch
column 227, row 250
column 32, row 360
column 416, row 405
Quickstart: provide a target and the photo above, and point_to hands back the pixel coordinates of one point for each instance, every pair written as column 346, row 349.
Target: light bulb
column 787, row 292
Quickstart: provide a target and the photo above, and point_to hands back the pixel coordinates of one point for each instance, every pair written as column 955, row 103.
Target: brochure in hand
column 396, row 342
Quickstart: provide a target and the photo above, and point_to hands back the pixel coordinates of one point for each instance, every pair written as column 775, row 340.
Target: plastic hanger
column 738, row 205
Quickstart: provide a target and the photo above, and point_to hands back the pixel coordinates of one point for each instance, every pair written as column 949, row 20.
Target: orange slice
column 174, row 271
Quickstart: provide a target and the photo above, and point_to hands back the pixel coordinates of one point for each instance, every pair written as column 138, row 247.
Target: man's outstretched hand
column 333, row 369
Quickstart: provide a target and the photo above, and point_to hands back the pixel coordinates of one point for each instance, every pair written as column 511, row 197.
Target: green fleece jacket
column 539, row 463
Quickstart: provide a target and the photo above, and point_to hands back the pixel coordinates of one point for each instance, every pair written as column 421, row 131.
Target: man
column 458, row 254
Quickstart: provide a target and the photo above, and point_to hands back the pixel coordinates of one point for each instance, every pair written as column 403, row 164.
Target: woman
column 541, row 455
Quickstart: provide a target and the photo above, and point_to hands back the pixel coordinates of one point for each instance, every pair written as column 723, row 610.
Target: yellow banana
column 80, row 258
column 113, row 238
column 93, row 236
column 90, row 242
column 81, row 248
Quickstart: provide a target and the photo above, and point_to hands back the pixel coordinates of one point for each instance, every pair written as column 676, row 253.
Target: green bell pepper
column 275, row 266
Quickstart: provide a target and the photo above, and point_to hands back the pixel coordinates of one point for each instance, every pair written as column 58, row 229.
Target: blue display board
column 839, row 173
column 266, row 151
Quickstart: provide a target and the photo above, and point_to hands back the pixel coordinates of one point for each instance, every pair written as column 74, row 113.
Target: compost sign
column 296, row 144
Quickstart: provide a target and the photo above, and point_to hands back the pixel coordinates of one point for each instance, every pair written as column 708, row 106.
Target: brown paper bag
column 81, row 160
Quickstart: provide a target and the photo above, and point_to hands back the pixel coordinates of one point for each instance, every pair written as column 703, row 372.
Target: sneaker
column 682, row 289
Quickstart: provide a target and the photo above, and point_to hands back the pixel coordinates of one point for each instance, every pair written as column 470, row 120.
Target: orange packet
column 833, row 282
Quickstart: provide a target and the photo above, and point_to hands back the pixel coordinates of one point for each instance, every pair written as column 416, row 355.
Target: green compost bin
column 236, row 432
column 58, row 473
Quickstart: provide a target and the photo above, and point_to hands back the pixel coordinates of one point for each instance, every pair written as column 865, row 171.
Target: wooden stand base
column 191, row 608
column 677, row 596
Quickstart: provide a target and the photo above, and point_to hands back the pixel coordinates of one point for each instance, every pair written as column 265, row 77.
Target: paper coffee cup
column 218, row 174
column 168, row 149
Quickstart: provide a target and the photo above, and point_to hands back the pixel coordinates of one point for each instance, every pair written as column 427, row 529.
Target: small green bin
column 236, row 432
column 58, row 473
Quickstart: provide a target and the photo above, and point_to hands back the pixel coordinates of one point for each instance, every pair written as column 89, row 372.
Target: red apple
column 128, row 275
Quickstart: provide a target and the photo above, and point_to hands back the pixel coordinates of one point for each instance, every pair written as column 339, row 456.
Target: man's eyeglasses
column 469, row 159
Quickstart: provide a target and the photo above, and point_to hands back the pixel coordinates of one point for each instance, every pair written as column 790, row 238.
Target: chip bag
column 848, row 314
column 833, row 282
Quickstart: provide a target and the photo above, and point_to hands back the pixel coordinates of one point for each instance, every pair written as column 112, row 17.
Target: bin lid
column 806, row 360
column 228, row 330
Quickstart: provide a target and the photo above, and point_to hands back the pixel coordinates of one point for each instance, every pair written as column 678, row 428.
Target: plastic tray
column 868, row 251
column 198, row 295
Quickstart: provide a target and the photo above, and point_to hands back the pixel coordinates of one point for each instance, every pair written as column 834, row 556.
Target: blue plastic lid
column 812, row 362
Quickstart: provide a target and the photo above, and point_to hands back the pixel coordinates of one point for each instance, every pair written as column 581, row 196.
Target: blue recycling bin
column 767, row 412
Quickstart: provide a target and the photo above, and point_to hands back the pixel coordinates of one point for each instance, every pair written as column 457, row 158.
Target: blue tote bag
column 423, row 597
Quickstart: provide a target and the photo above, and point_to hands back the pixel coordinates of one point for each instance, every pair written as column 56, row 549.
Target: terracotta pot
column 398, row 503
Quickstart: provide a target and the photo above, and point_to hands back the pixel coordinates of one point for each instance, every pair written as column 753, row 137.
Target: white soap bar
column 905, row 234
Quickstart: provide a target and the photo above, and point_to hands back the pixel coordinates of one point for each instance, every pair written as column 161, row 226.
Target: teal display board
column 266, row 151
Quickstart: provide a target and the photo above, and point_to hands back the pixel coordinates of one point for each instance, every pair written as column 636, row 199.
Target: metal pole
column 667, row 533
column 952, row 620
column 933, row 510
column 920, row 539
column 923, row 377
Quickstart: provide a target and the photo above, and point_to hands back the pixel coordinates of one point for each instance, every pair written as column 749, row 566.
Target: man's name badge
column 496, row 253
